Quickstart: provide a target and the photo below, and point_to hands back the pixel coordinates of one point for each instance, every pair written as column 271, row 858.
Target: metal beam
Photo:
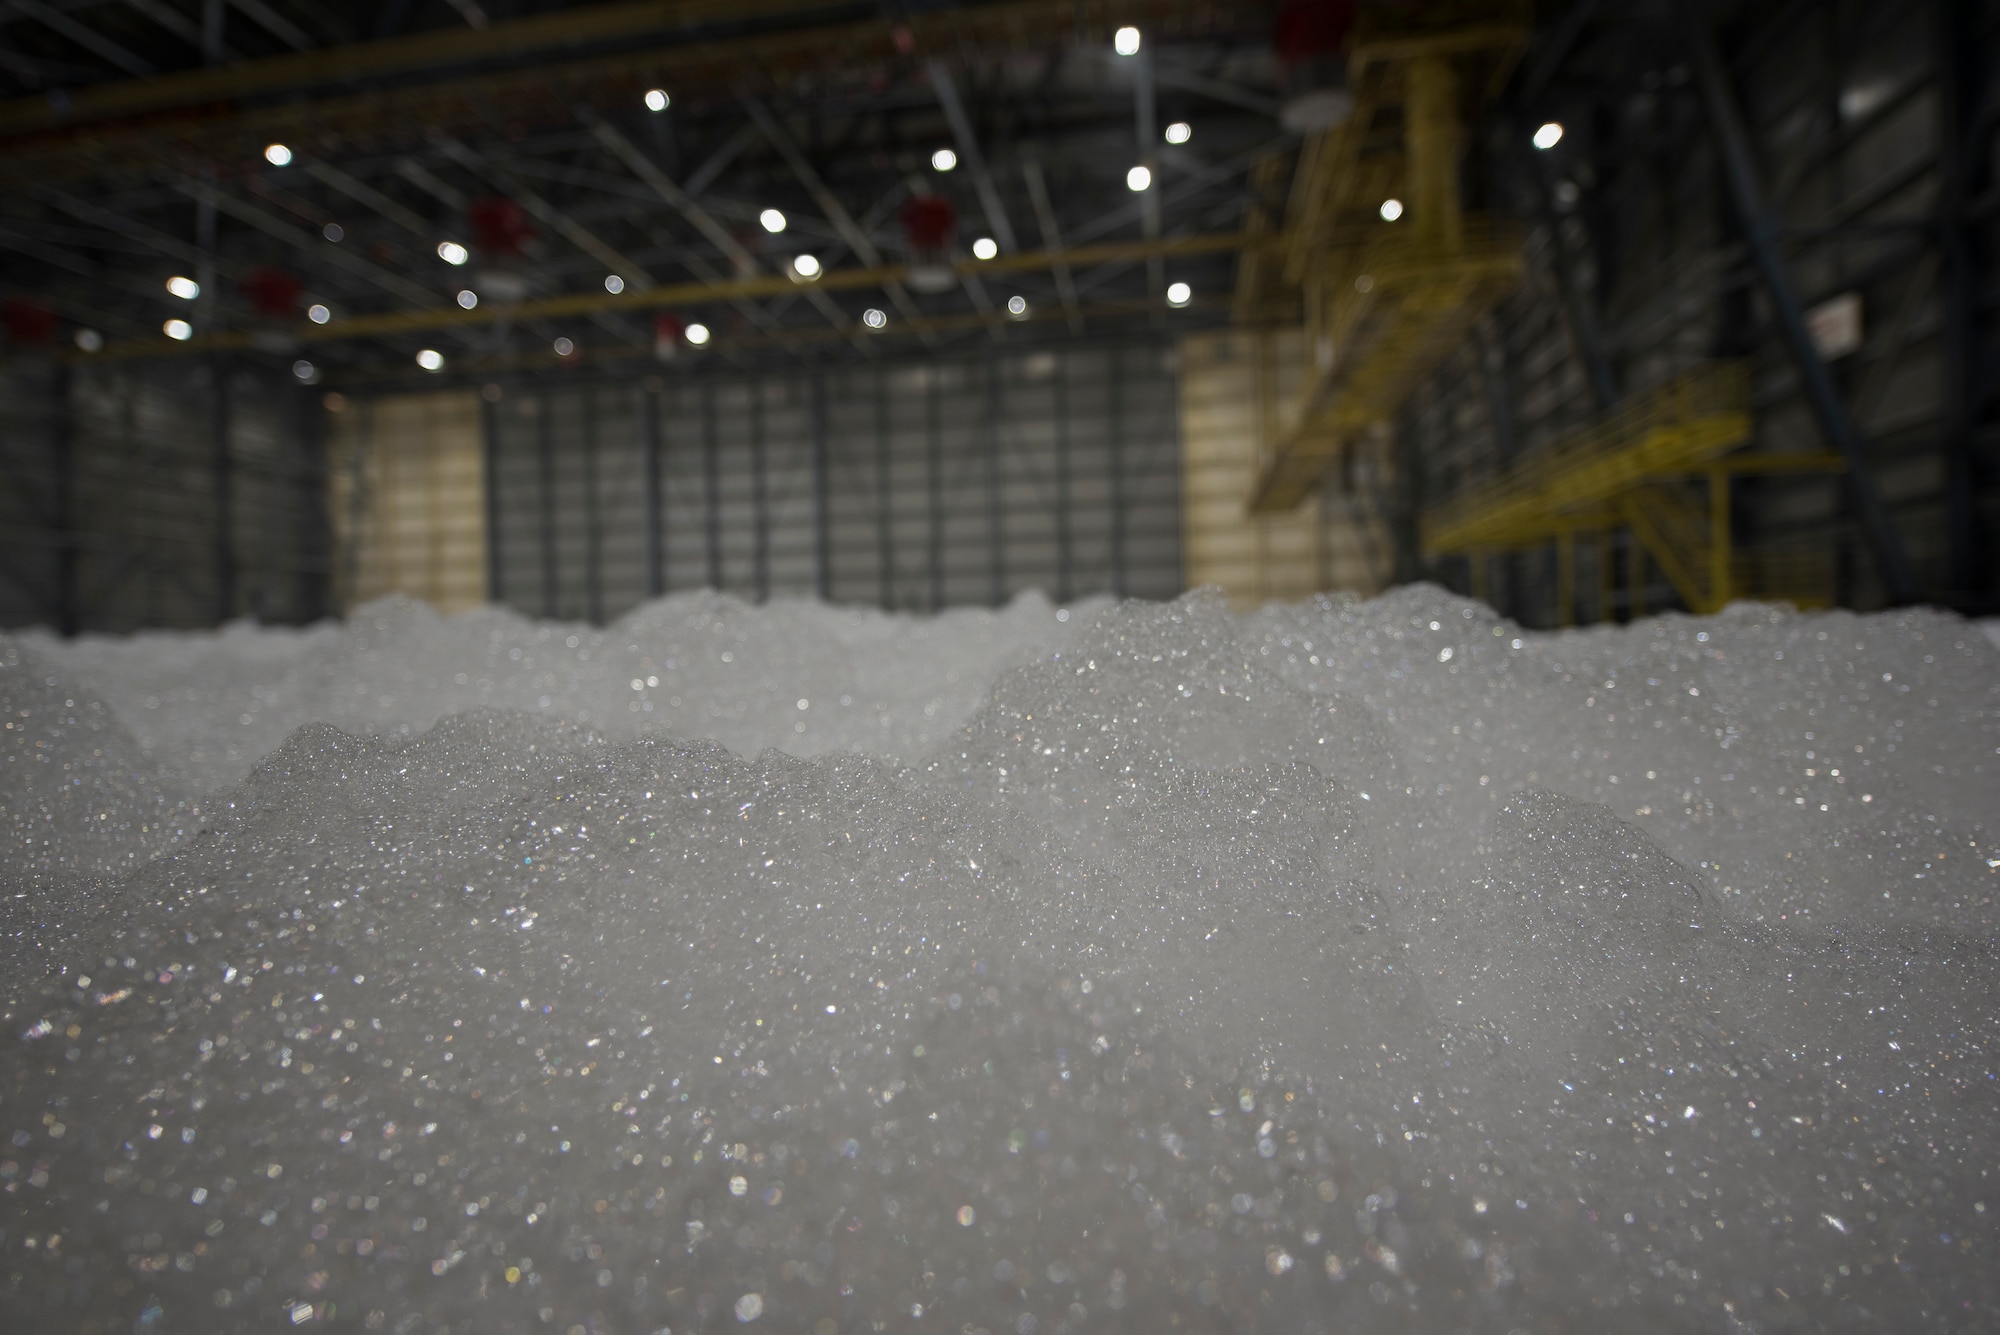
column 362, row 193
column 547, row 214
column 276, row 24
column 306, row 243
column 1761, row 232
column 83, row 35
column 1045, row 219
column 975, row 161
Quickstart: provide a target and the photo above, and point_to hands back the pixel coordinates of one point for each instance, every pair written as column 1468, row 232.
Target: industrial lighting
column 431, row 359
column 1179, row 132
column 1392, row 209
column 318, row 314
column 178, row 330
column 1179, row 294
column 1017, row 306
column 1126, row 42
column 657, row 99
column 1549, row 135
column 943, row 160
column 564, row 347
column 277, row 155
column 467, row 298
column 772, row 221
column 89, row 340
column 805, row 266
column 333, row 232
column 985, row 248
column 1138, row 179
column 184, row 288
column 452, row 253
column 613, row 284
column 305, row 371
column 874, row 319
column 697, row 334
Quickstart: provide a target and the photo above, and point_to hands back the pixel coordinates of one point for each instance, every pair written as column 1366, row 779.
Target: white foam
column 1346, row 965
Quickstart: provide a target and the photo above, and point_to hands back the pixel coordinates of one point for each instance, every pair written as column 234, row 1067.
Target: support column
column 1635, row 579
column 885, row 517
column 1433, row 135
column 711, row 489
column 822, row 498
column 656, row 534
column 1566, row 578
column 223, row 470
column 1065, row 561
column 593, row 520
column 1719, row 549
column 934, row 482
column 1607, row 574
column 545, row 457
column 489, row 451
column 1115, row 454
column 62, row 467
column 1960, row 77
column 996, row 499
column 760, row 500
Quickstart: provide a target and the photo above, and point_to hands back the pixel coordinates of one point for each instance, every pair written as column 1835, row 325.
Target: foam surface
column 1342, row 966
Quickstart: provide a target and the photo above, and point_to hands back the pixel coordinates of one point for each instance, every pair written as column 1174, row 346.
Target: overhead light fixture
column 564, row 347
column 985, row 248
column 184, row 288
column 1126, row 42
column 305, row 371
column 452, row 253
column 613, row 284
column 805, row 266
column 1391, row 210
column 178, row 330
column 318, row 314
column 277, row 155
column 89, row 340
column 1179, row 132
column 875, row 319
column 467, row 298
column 1179, row 294
column 1017, row 306
column 431, row 359
column 697, row 334
column 944, row 160
column 657, row 99
column 1549, row 135
column 1138, row 179
column 333, row 232
column 772, row 221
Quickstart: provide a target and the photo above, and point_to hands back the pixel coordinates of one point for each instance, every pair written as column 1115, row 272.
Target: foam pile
column 1341, row 966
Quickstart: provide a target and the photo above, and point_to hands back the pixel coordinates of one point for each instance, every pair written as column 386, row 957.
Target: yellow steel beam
column 390, row 323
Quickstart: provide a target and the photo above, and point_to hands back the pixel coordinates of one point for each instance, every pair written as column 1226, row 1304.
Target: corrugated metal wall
column 912, row 485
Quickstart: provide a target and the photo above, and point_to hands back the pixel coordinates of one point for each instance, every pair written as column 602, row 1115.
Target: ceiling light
column 1017, row 306
column 985, row 248
column 657, row 99
column 1392, row 209
column 305, row 371
column 944, row 160
column 772, row 220
column 453, row 253
column 333, row 232
column 805, row 266
column 318, row 314
column 1549, row 135
column 1179, row 294
column 1179, row 132
column 431, row 359
column 1126, row 42
column 184, row 288
column 564, row 347
column 178, row 330
column 277, row 155
column 89, row 340
column 1139, row 178
column 874, row 319
column 467, row 298
column 697, row 334
column 613, row 284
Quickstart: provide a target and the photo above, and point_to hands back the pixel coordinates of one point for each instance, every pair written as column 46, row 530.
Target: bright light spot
column 1126, row 42
column 305, row 371
column 1139, row 178
column 1392, row 209
column 277, row 155
column 697, row 334
column 564, row 347
column 318, row 314
column 184, row 288
column 431, row 359
column 874, row 319
column 1179, row 132
column 89, row 340
column 333, row 232
column 966, row 1216
column 657, row 99
column 178, row 330
column 805, row 266
column 749, row 1307
column 944, row 160
column 1549, row 135
column 613, row 284
column 467, row 298
column 985, row 248
column 772, row 220
column 453, row 253
column 1179, row 294
column 1017, row 306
